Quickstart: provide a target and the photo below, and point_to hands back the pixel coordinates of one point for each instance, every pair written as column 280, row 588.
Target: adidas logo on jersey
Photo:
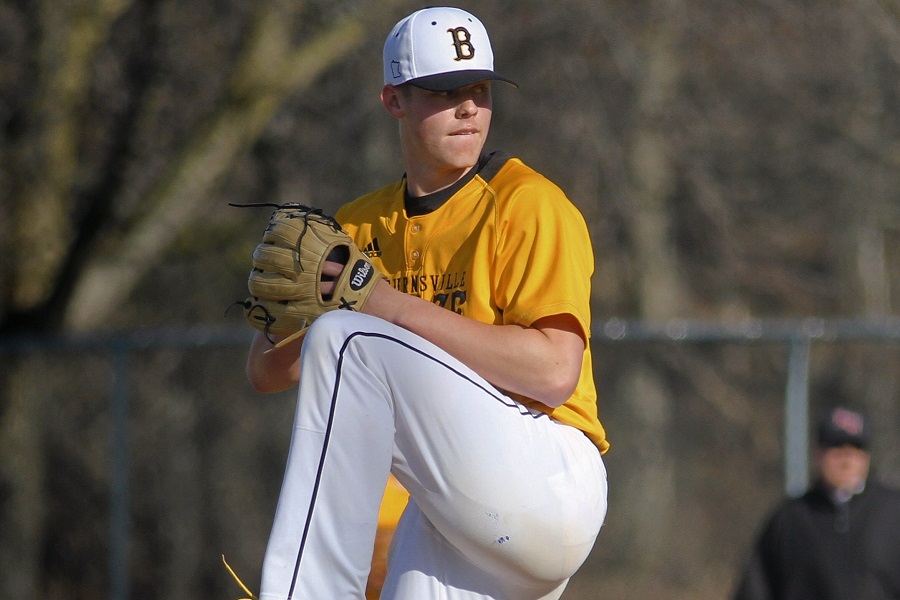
column 372, row 250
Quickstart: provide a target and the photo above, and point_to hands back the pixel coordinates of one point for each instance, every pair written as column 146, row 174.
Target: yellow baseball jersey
column 502, row 246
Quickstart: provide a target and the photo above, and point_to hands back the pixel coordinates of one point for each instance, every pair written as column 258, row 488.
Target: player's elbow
column 269, row 381
column 560, row 358
column 270, row 372
column 559, row 387
column 258, row 381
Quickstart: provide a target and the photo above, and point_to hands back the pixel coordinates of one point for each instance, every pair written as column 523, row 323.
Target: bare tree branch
column 268, row 73
column 71, row 34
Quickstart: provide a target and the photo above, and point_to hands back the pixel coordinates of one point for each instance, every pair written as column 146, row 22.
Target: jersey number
column 452, row 301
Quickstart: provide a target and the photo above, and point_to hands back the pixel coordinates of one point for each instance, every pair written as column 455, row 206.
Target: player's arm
column 542, row 362
column 273, row 370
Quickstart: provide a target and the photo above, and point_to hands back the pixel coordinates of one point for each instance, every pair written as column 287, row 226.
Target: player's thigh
column 502, row 482
column 527, row 511
column 423, row 564
column 505, row 484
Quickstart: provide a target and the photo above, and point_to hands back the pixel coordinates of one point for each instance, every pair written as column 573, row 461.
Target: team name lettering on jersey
column 436, row 282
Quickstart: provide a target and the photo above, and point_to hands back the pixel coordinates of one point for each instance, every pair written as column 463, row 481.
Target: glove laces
column 250, row 595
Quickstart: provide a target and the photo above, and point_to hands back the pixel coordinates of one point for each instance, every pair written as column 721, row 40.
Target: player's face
column 443, row 133
column 844, row 467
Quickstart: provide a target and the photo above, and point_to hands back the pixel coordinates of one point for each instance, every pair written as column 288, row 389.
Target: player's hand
column 330, row 272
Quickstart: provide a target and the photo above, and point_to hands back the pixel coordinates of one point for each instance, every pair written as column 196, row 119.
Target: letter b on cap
column 462, row 42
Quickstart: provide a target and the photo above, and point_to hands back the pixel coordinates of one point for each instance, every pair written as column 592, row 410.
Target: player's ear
column 390, row 98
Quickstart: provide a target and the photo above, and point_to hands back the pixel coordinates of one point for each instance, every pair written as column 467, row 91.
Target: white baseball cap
column 439, row 49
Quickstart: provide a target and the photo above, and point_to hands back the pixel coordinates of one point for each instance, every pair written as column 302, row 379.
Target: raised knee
column 334, row 327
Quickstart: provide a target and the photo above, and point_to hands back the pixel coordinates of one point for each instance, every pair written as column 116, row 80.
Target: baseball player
column 465, row 371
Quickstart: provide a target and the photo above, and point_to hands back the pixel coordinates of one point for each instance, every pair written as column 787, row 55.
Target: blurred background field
column 734, row 163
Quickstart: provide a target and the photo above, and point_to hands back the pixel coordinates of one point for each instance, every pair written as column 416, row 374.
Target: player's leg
column 425, row 565
column 338, row 463
column 517, row 496
column 516, row 535
column 494, row 479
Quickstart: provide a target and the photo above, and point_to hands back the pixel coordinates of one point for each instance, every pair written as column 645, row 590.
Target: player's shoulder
column 368, row 205
column 517, row 187
column 788, row 514
column 503, row 171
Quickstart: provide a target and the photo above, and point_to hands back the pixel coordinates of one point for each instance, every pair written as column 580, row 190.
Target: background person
column 841, row 539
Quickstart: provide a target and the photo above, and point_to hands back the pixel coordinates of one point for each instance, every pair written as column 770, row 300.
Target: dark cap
column 842, row 426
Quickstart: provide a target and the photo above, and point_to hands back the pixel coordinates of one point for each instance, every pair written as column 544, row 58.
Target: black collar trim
column 488, row 166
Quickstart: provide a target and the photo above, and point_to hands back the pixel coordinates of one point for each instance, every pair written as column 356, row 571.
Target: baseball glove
column 285, row 282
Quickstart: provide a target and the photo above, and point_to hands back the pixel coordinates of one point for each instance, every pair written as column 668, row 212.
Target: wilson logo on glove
column 361, row 275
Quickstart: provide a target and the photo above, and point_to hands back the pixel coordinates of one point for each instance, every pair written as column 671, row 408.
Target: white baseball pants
column 506, row 503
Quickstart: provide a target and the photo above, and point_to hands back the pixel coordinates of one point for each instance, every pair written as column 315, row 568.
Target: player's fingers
column 330, row 271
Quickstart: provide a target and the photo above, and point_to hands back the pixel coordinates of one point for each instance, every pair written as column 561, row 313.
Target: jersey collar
column 488, row 166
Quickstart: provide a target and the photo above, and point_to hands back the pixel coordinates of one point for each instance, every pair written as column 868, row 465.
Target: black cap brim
column 444, row 82
column 833, row 438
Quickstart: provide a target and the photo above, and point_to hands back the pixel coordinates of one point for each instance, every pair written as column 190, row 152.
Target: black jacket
column 813, row 548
